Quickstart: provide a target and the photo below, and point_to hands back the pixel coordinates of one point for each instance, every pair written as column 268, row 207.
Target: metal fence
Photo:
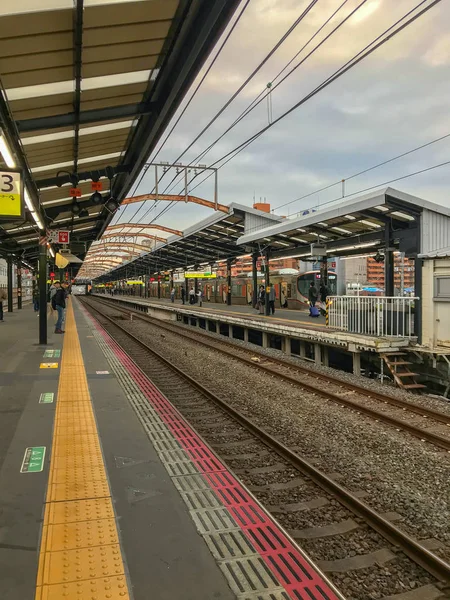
column 372, row 315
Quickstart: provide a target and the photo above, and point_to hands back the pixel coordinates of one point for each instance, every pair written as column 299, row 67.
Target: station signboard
column 11, row 194
column 199, row 275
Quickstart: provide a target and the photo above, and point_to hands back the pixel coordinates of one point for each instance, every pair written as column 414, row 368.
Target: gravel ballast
column 399, row 473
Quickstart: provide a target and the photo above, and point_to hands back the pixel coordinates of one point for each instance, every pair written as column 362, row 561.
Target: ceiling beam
column 87, row 117
column 77, row 62
column 108, row 172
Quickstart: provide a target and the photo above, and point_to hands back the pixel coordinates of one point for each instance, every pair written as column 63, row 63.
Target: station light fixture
column 6, row 153
column 75, row 207
column 83, row 213
column 96, row 198
column 112, row 205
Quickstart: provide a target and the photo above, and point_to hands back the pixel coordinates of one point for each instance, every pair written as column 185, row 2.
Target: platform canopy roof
column 385, row 218
column 87, row 89
column 211, row 240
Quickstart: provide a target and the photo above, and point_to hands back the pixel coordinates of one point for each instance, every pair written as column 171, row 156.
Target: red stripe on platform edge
column 290, row 568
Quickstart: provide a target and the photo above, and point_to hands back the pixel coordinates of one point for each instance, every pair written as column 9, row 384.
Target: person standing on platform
column 59, row 304
column 200, row 296
column 312, row 294
column 183, row 295
column 51, row 295
column 272, row 298
column 192, row 296
column 36, row 298
column 65, row 287
column 323, row 295
column 3, row 297
column 172, row 295
column 261, row 299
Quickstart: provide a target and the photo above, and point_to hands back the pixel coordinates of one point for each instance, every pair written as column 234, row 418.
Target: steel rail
column 432, row 563
column 418, row 432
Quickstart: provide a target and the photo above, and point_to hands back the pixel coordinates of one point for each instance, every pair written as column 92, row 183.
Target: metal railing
column 380, row 316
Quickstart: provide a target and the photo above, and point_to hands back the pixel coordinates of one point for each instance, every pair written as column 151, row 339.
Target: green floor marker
column 33, row 460
column 46, row 398
column 52, row 354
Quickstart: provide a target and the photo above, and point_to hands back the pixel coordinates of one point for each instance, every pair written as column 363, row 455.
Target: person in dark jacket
column 261, row 299
column 312, row 294
column 183, row 295
column 36, row 298
column 323, row 291
column 59, row 304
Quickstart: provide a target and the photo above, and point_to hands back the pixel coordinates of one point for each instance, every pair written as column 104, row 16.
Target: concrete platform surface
column 281, row 314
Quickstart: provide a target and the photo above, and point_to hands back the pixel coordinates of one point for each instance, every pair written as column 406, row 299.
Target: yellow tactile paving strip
column 80, row 556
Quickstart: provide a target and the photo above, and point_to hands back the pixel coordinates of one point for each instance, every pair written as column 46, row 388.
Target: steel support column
column 267, row 282
column 324, row 271
column 159, row 288
column 255, row 279
column 196, row 288
column 388, row 263
column 9, row 270
column 229, row 282
column 418, row 263
column 19, row 284
column 42, row 294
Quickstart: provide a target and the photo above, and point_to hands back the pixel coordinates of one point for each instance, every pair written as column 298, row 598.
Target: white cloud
column 391, row 102
column 439, row 53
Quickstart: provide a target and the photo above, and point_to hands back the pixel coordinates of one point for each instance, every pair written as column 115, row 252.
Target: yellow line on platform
column 80, row 555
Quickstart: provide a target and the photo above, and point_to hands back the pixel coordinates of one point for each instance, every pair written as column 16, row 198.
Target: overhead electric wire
column 341, row 71
column 346, row 67
column 372, row 187
column 385, row 162
column 258, row 99
column 232, row 28
column 238, row 91
column 250, row 77
column 338, row 73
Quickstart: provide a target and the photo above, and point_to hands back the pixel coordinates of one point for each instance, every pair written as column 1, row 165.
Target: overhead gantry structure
column 177, row 198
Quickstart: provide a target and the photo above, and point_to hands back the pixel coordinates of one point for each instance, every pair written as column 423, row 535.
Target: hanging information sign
column 11, row 194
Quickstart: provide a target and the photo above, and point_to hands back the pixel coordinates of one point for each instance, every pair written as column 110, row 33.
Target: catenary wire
column 341, row 71
column 227, row 37
column 386, row 36
column 338, row 73
column 258, row 99
column 381, row 164
column 239, row 149
column 238, row 91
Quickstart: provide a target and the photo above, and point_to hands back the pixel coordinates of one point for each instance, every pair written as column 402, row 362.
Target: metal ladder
column 401, row 373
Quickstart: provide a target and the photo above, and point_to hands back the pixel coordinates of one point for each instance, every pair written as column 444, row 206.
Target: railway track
column 346, row 394
column 374, row 549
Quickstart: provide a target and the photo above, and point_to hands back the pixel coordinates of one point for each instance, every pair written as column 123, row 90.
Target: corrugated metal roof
column 442, row 253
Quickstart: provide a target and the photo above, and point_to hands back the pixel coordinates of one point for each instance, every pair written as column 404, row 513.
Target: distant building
column 375, row 273
column 27, row 281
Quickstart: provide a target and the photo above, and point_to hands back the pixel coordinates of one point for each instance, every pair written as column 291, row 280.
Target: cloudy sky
column 393, row 101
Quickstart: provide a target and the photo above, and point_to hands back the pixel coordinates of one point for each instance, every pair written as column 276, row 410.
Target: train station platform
column 292, row 331
column 281, row 314
column 102, row 496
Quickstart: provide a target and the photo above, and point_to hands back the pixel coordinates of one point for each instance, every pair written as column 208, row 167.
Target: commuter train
column 291, row 290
